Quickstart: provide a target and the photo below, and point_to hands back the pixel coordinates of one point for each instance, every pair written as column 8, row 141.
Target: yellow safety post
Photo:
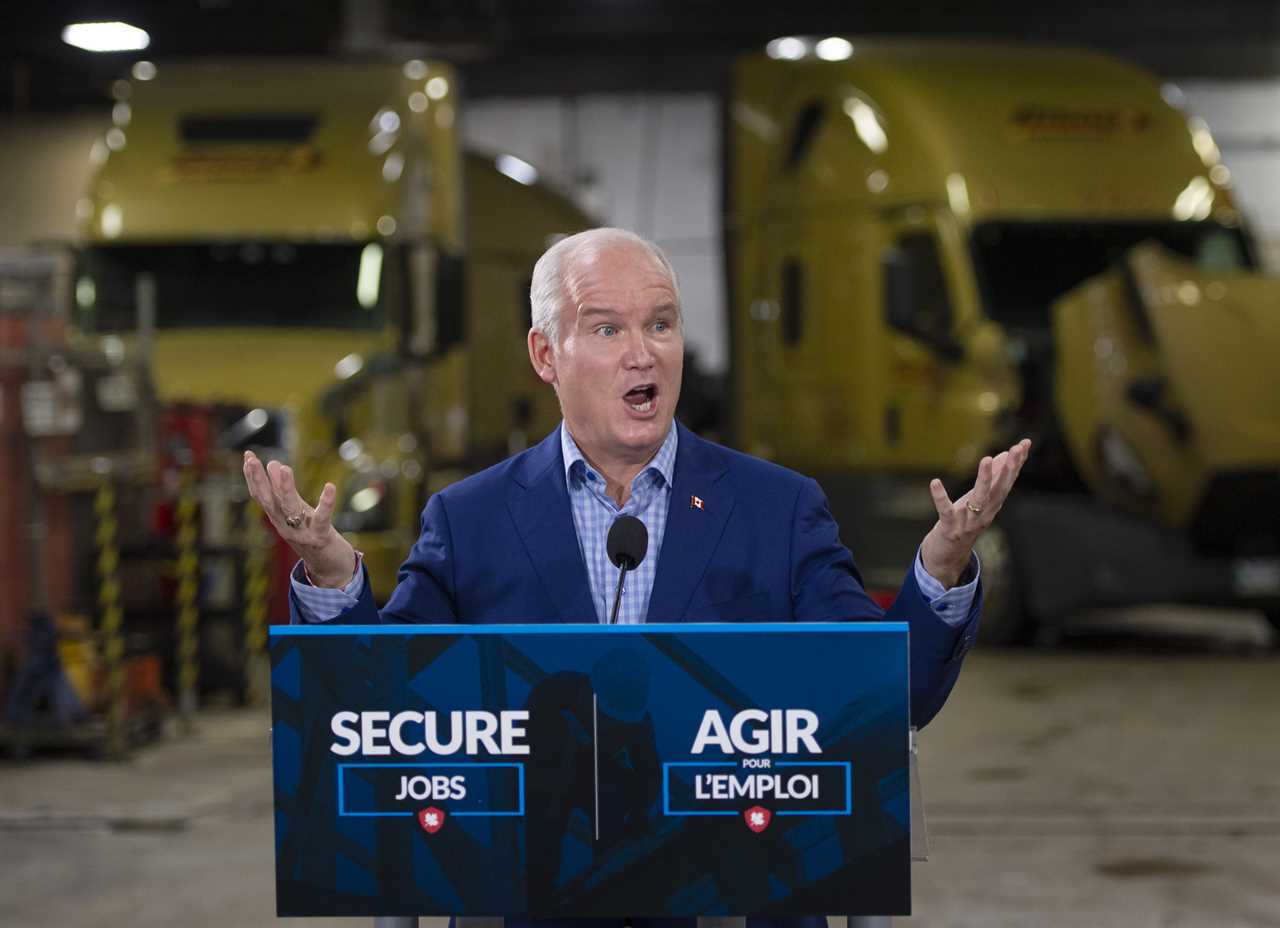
column 188, row 612
column 112, row 615
column 257, row 550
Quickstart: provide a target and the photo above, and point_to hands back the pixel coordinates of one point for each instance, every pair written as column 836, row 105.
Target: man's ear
column 542, row 356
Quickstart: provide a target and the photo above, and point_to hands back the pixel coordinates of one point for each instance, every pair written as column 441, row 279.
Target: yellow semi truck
column 309, row 258
column 935, row 249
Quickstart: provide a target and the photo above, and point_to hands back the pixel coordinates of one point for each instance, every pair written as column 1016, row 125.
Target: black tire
column 1005, row 620
column 1273, row 618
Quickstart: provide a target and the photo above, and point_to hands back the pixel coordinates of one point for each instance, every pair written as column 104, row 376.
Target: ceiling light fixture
column 787, row 48
column 834, row 48
column 106, row 37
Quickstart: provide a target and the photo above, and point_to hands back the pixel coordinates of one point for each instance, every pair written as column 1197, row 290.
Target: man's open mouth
column 641, row 398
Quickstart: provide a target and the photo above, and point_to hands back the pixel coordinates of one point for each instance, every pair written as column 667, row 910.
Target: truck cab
column 312, row 265
column 912, row 232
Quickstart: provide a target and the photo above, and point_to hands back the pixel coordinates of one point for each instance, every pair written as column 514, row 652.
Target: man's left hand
column 947, row 547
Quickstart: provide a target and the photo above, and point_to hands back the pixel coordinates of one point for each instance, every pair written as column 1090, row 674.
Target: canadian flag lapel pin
column 695, row 502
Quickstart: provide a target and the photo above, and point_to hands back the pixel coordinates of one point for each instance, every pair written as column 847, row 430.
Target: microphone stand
column 625, row 565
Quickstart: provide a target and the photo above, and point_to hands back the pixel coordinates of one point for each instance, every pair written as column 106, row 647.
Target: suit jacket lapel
column 692, row 534
column 539, row 505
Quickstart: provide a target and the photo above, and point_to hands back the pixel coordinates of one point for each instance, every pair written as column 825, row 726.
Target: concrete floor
column 1127, row 776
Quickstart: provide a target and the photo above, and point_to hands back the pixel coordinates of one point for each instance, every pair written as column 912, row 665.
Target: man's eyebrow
column 587, row 312
column 605, row 312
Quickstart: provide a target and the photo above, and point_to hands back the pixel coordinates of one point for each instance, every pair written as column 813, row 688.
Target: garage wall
column 649, row 163
column 44, row 168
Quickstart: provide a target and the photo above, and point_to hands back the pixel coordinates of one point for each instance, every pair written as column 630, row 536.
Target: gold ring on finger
column 972, row 508
column 293, row 521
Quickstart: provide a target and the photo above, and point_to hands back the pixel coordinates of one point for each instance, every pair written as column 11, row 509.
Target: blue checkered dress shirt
column 593, row 514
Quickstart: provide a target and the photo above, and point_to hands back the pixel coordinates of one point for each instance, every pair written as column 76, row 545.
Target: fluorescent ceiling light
column 106, row 37
column 787, row 48
column 834, row 48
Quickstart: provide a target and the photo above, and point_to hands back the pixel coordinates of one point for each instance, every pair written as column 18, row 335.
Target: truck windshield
column 332, row 286
column 1023, row 267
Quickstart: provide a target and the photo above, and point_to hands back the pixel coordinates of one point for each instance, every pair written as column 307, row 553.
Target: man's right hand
column 329, row 558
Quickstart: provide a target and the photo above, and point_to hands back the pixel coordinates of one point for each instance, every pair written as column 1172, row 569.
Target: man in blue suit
column 731, row 537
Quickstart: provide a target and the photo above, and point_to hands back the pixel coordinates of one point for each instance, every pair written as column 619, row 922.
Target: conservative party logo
column 431, row 819
column 758, row 818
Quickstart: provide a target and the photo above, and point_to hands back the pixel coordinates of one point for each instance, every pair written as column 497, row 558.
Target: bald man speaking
column 731, row 538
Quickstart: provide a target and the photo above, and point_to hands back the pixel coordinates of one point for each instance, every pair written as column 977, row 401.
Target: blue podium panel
column 577, row 770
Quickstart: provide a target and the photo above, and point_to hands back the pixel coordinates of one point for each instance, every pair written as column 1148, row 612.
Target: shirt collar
column 663, row 462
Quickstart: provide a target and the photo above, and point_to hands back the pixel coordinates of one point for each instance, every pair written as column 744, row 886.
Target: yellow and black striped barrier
column 112, row 615
column 188, row 610
column 256, row 561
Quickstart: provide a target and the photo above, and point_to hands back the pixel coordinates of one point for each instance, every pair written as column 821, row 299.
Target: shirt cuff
column 323, row 604
column 952, row 606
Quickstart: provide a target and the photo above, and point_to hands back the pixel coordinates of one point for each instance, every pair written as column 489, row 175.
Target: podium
column 559, row 771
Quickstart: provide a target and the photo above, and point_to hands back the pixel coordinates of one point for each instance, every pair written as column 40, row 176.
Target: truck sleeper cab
column 910, row 234
column 318, row 270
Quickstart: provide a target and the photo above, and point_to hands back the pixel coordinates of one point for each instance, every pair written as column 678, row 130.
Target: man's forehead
column 621, row 263
column 618, row 280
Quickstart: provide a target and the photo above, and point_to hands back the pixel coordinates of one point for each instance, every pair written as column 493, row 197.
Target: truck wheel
column 1004, row 618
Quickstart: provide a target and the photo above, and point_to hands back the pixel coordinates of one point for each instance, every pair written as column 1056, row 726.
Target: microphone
column 627, row 544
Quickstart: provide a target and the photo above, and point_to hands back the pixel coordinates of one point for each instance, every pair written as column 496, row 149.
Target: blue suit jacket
column 500, row 546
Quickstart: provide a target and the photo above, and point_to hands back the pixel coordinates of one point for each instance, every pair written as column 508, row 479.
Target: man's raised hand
column 329, row 558
column 947, row 547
